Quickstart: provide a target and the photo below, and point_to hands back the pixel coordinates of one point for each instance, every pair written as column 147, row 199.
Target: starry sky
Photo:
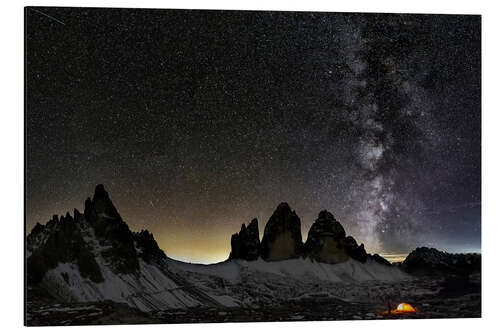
column 199, row 121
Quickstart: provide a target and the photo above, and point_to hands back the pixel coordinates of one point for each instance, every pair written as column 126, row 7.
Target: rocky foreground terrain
column 426, row 295
column 91, row 268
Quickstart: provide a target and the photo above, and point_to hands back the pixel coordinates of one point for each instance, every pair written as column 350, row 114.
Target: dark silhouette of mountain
column 429, row 261
column 282, row 235
column 62, row 240
column 246, row 243
column 326, row 241
column 354, row 250
column 96, row 257
column 147, row 247
column 57, row 242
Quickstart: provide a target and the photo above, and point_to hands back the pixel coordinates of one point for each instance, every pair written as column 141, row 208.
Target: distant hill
column 429, row 261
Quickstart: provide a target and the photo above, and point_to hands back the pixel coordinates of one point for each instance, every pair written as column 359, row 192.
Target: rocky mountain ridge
column 430, row 261
column 282, row 240
column 246, row 244
column 65, row 239
column 95, row 257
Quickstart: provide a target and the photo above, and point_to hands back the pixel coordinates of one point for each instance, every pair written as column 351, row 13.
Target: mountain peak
column 324, row 214
column 430, row 261
column 108, row 225
column 100, row 191
column 325, row 240
column 103, row 205
column 283, row 208
column 282, row 235
column 326, row 223
column 246, row 243
column 148, row 246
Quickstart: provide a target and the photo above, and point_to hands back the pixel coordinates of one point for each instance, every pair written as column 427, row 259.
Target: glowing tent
column 401, row 308
column 404, row 307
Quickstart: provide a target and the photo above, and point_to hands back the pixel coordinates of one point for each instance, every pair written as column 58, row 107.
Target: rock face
column 429, row 261
column 109, row 226
column 282, row 235
column 381, row 260
column 147, row 247
column 353, row 250
column 246, row 244
column 325, row 240
column 62, row 242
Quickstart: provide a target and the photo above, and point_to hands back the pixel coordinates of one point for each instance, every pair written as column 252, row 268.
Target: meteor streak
column 50, row 17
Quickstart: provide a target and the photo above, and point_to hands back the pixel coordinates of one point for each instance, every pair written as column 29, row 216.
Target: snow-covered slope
column 152, row 287
column 351, row 271
column 150, row 290
column 95, row 257
column 254, row 283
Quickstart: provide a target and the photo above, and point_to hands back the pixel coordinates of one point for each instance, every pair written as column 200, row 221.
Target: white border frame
column 12, row 141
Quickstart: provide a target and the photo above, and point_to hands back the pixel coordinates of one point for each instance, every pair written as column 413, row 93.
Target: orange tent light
column 404, row 307
column 401, row 308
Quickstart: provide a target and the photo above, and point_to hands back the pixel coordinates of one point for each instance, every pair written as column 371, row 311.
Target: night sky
column 198, row 121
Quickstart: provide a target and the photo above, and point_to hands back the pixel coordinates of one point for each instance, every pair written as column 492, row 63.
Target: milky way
column 198, row 121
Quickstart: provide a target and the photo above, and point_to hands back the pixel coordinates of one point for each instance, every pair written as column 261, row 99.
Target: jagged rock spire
column 103, row 205
column 282, row 235
column 77, row 215
column 353, row 250
column 246, row 244
column 108, row 225
column 149, row 249
column 325, row 240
